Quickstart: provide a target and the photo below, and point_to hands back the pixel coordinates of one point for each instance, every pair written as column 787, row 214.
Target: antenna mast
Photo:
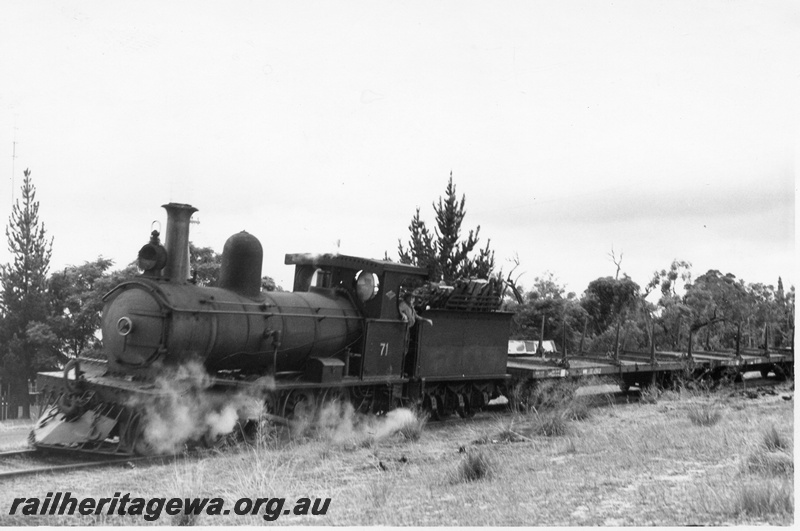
column 13, row 161
column 13, row 169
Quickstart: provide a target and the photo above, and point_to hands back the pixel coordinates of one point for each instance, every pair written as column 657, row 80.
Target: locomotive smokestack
column 177, row 241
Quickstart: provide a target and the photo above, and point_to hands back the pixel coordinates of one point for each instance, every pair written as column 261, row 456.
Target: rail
column 42, row 467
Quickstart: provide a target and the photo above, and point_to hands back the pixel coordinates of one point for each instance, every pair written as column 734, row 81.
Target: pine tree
column 443, row 253
column 23, row 299
column 421, row 251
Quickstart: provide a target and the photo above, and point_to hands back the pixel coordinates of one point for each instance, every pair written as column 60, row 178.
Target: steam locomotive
column 338, row 335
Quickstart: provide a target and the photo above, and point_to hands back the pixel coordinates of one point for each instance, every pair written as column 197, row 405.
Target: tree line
column 712, row 312
column 672, row 311
column 48, row 318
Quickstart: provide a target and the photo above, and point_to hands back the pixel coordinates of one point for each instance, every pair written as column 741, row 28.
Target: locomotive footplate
column 285, row 385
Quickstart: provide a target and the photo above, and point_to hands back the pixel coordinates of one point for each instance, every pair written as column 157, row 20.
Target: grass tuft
column 770, row 463
column 577, row 409
column 571, row 448
column 378, row 492
column 184, row 519
column 766, row 498
column 551, row 394
column 649, row 394
column 549, row 424
column 474, row 466
column 506, row 433
column 773, row 440
column 551, row 405
column 704, row 414
column 773, row 457
column 412, row 428
column 673, row 395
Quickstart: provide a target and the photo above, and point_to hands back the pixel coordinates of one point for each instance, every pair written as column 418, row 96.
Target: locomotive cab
column 374, row 286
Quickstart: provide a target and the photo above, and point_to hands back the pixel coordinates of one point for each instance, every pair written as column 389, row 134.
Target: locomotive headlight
column 366, row 285
column 124, row 326
column 152, row 257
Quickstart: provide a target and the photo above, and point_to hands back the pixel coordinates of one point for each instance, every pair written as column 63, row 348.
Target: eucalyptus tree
column 547, row 311
column 609, row 302
column 717, row 299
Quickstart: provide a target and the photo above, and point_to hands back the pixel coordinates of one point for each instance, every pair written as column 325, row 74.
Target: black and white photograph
column 404, row 263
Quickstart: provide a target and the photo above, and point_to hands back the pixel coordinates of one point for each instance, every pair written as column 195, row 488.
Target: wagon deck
column 636, row 368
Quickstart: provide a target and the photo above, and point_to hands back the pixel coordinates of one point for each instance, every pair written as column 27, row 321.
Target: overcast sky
column 665, row 129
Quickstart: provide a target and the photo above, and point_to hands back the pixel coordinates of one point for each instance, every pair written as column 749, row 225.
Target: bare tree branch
column 617, row 261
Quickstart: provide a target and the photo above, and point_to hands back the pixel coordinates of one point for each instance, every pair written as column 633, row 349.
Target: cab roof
column 353, row 262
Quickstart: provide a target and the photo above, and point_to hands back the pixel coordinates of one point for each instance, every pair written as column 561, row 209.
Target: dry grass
column 772, row 456
column 626, row 465
column 765, row 499
column 704, row 414
column 770, row 463
column 774, row 440
column 554, row 423
column 577, row 409
column 552, row 394
column 474, row 466
column 650, row 394
column 378, row 492
column 412, row 428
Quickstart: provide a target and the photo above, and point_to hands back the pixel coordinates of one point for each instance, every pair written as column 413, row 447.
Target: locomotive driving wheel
column 261, row 427
column 432, row 405
column 363, row 399
column 132, row 438
column 333, row 395
column 215, row 439
column 298, row 405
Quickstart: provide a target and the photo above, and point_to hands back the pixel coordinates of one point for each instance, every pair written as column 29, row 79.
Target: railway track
column 26, row 462
column 30, row 462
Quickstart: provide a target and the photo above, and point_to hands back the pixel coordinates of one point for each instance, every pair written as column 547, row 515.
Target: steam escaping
column 339, row 422
column 182, row 408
